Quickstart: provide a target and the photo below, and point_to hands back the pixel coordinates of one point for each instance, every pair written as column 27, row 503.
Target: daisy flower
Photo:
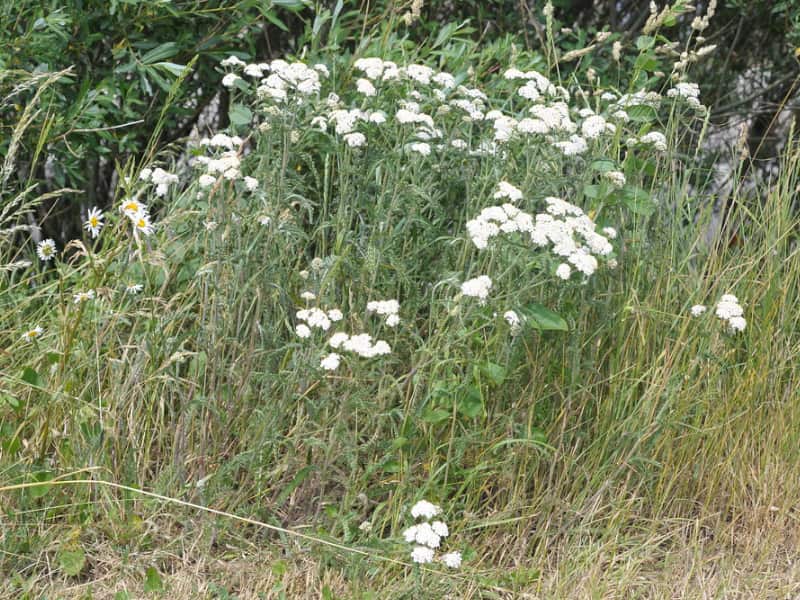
column 83, row 296
column 133, row 208
column 94, row 222
column 46, row 249
column 143, row 224
column 134, row 288
column 32, row 334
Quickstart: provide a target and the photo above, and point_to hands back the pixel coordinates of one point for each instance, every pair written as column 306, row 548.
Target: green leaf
column 603, row 166
column 591, row 191
column 239, row 114
column 41, row 477
column 641, row 113
column 495, row 373
column 471, row 404
column 434, row 415
column 638, row 200
column 170, row 67
column 32, row 377
column 646, row 62
column 645, row 42
column 152, row 582
column 9, row 400
column 71, row 561
column 122, row 595
column 299, row 478
column 292, row 5
column 542, row 318
column 160, row 52
column 269, row 16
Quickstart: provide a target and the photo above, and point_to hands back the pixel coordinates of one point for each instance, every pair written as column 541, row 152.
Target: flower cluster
column 564, row 227
column 279, row 80
column 360, row 344
column 690, row 92
column 139, row 215
column 224, row 160
column 728, row 309
column 427, row 536
column 160, row 178
column 387, row 309
column 477, row 287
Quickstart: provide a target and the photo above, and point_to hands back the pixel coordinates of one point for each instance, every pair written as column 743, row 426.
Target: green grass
column 640, row 453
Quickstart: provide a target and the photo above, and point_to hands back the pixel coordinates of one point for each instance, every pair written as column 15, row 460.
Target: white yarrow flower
column 697, row 310
column 331, row 362
column 477, row 287
column 422, row 555
column 425, row 509
column 452, row 559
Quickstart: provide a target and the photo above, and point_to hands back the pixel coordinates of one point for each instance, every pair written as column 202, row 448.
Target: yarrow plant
column 428, row 534
column 727, row 309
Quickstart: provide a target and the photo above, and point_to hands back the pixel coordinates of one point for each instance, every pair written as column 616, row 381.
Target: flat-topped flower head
column 46, row 249
column 425, row 509
column 331, row 362
column 506, row 190
column 94, row 222
column 452, row 559
column 422, row 555
column 477, row 287
column 697, row 310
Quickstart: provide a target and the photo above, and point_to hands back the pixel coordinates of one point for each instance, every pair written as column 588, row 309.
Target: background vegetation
column 616, row 447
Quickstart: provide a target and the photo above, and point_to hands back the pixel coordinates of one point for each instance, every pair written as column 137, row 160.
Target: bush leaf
column 542, row 318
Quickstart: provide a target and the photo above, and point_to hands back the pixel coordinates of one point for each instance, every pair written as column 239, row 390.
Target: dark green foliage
column 123, row 57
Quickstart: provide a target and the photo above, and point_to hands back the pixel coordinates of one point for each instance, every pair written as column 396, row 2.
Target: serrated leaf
column 542, row 318
column 71, row 561
column 240, row 115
